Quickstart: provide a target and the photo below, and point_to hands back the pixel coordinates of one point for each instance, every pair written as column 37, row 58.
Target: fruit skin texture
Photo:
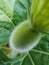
column 23, row 38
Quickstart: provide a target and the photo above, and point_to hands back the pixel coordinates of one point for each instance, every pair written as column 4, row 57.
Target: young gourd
column 23, row 38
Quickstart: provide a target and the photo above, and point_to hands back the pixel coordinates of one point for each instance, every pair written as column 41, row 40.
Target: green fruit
column 23, row 38
column 40, row 15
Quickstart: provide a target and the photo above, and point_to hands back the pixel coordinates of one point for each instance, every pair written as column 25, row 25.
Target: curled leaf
column 40, row 12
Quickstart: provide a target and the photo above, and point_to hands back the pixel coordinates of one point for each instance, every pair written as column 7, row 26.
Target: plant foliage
column 12, row 12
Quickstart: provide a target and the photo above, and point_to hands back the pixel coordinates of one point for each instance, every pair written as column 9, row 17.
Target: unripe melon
column 23, row 38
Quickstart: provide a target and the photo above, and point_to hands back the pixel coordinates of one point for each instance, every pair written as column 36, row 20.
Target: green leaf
column 21, row 11
column 12, row 12
column 38, row 55
column 4, row 59
column 5, row 31
column 9, row 17
column 40, row 15
column 6, row 24
column 5, row 6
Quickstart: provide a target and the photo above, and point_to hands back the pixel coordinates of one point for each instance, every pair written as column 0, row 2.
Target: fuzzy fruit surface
column 23, row 38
